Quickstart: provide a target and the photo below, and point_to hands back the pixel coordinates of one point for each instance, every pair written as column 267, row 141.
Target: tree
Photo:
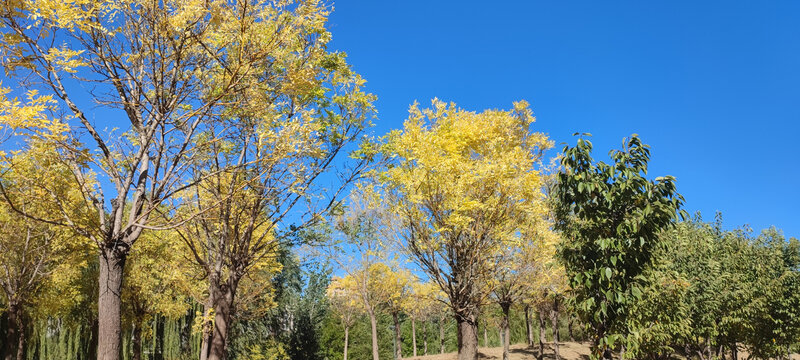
column 397, row 289
column 611, row 214
column 524, row 272
column 157, row 287
column 459, row 184
column 174, row 69
column 35, row 256
column 420, row 305
column 347, row 304
column 441, row 312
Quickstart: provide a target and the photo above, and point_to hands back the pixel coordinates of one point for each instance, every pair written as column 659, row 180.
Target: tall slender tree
column 346, row 303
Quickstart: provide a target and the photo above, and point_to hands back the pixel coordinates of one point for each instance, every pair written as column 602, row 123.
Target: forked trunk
column 112, row 264
column 346, row 340
column 398, row 354
column 467, row 337
column 505, row 330
column 414, row 336
column 374, row 322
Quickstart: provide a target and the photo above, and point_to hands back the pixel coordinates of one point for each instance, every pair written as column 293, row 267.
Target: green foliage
column 294, row 326
column 713, row 289
column 611, row 214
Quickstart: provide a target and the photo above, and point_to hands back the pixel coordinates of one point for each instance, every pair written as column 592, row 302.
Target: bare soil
column 567, row 350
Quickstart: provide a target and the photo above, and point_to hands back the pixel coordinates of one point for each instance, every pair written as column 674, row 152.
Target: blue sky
column 712, row 86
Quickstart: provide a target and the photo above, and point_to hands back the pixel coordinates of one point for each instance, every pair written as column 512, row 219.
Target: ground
column 568, row 351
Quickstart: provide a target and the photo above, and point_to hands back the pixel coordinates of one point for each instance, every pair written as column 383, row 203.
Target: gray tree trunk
column 346, row 340
column 112, row 264
column 506, row 333
column 374, row 322
column 398, row 344
column 467, row 336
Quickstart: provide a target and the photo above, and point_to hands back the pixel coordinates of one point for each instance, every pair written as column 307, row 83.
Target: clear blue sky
column 712, row 86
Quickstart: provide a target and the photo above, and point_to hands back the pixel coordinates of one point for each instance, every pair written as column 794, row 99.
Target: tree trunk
column 414, row 336
column 425, row 337
column 109, row 339
column 500, row 335
column 14, row 343
column 569, row 328
column 398, row 346
column 554, row 322
column 506, row 332
column 485, row 336
column 91, row 344
column 374, row 323
column 12, row 333
column 441, row 336
column 467, row 336
column 542, row 334
column 223, row 307
column 137, row 341
column 207, row 331
column 21, row 339
column 186, row 333
column 158, row 353
column 528, row 327
column 346, row 340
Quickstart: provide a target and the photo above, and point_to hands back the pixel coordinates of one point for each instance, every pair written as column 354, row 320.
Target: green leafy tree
column 611, row 215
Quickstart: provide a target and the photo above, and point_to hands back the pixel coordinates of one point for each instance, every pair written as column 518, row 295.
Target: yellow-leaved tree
column 460, row 185
column 38, row 261
column 159, row 286
column 362, row 254
column 347, row 304
column 397, row 285
column 421, row 306
column 525, row 268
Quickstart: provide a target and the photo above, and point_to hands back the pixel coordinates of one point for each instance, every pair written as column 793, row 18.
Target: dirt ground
column 568, row 351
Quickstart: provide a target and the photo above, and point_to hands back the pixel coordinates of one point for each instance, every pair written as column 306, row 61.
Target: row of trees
column 206, row 124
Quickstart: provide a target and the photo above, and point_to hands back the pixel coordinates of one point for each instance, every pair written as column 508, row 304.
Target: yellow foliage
column 464, row 187
column 470, row 164
column 42, row 261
